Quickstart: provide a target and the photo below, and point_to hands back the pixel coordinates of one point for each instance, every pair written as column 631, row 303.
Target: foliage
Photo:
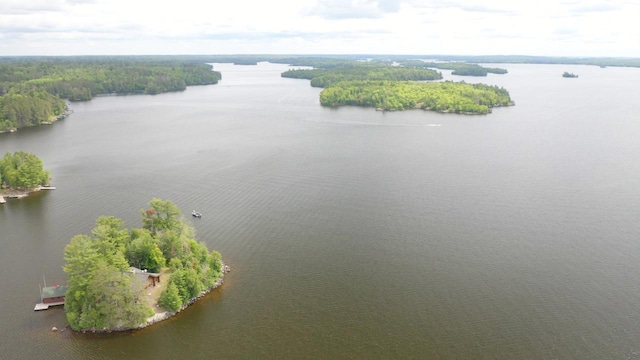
column 143, row 251
column 31, row 89
column 170, row 298
column 23, row 170
column 102, row 292
column 33, row 107
column 113, row 300
column 328, row 77
column 440, row 96
column 459, row 68
column 161, row 216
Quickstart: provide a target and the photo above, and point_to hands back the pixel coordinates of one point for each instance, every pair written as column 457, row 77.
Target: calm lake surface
column 351, row 233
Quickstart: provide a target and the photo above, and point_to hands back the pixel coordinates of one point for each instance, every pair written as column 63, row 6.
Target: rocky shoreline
column 157, row 317
column 19, row 194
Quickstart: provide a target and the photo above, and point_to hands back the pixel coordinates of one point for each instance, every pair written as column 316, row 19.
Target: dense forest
column 458, row 97
column 22, row 170
column 325, row 77
column 32, row 89
column 387, row 86
column 102, row 292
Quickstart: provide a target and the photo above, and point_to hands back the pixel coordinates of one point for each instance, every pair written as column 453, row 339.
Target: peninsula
column 33, row 89
column 120, row 279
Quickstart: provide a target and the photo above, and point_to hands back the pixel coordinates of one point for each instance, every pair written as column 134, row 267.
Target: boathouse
column 51, row 296
column 54, row 294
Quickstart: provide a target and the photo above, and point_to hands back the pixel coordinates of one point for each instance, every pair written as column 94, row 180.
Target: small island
column 121, row 279
column 444, row 97
column 20, row 174
column 569, row 75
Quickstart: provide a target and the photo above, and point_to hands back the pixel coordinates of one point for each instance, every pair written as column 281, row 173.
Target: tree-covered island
column 377, row 71
column 20, row 173
column 33, row 89
column 457, row 97
column 121, row 279
column 386, row 87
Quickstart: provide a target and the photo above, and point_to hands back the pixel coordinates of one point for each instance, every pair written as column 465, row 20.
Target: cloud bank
column 543, row 27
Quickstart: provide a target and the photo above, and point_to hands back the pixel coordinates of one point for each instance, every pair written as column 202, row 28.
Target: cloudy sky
column 466, row 27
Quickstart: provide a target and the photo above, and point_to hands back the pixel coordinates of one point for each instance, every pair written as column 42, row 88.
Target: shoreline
column 19, row 194
column 51, row 121
column 160, row 316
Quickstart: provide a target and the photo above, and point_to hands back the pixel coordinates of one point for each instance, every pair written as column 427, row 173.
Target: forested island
column 328, row 76
column 20, row 173
column 388, row 87
column 120, row 279
column 569, row 75
column 32, row 90
column 458, row 97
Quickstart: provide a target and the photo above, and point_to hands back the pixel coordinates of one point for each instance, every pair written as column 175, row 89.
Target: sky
column 443, row 27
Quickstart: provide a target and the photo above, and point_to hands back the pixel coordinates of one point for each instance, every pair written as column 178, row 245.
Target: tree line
column 459, row 68
column 325, row 77
column 22, row 170
column 102, row 292
column 32, row 89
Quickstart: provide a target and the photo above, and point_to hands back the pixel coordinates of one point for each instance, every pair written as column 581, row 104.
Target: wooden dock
column 45, row 306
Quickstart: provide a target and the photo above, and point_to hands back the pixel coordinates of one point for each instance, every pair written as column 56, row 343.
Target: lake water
column 353, row 233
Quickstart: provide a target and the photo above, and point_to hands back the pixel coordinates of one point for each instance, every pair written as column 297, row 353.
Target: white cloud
column 542, row 27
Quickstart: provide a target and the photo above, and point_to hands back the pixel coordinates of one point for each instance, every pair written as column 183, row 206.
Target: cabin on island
column 54, row 294
column 146, row 278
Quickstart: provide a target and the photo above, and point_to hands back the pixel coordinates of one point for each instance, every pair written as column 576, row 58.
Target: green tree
column 80, row 258
column 143, row 252
column 110, row 241
column 23, row 170
column 162, row 215
column 113, row 300
column 170, row 298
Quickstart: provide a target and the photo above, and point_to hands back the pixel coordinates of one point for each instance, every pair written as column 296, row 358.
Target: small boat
column 196, row 214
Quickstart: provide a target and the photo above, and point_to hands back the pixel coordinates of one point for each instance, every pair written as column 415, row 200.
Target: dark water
column 353, row 233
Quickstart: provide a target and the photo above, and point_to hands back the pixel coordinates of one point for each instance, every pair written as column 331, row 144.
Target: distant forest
column 391, row 86
column 32, row 89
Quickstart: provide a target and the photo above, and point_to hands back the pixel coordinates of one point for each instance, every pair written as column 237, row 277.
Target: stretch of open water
column 351, row 233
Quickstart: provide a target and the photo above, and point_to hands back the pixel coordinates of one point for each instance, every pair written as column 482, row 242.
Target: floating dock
column 45, row 306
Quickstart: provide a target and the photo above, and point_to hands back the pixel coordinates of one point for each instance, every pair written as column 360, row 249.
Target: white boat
column 196, row 214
